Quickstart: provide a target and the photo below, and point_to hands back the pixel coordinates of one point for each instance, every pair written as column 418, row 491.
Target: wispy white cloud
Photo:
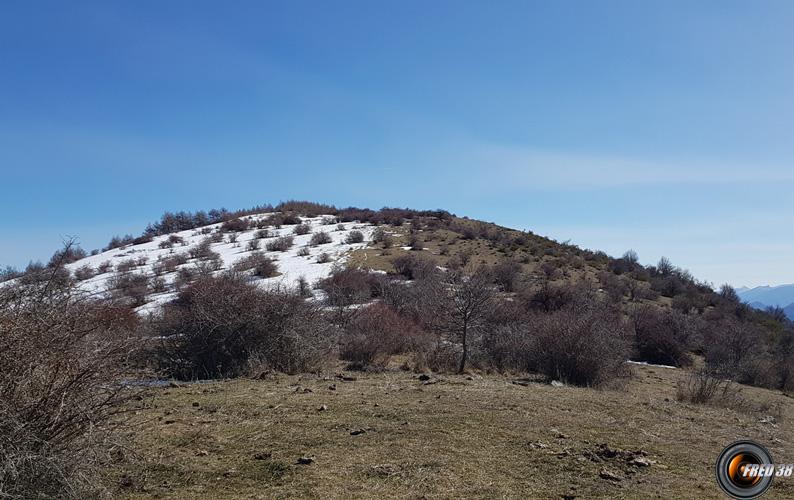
column 537, row 169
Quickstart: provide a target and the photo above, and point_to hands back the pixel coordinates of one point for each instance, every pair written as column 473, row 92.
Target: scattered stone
column 202, row 453
column 641, row 462
column 195, row 404
column 346, row 378
column 169, row 422
column 174, row 385
column 609, row 475
column 769, row 419
column 521, row 382
column 263, row 455
column 424, row 377
column 557, row 383
column 430, row 382
column 332, row 387
column 357, row 432
column 538, row 446
column 126, row 481
column 230, row 473
column 322, row 408
column 305, row 460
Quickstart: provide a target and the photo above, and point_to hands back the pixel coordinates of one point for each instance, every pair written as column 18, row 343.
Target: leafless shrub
column 302, row 229
column 413, row 266
column 36, row 273
column 354, row 237
column 549, row 297
column 210, row 264
column 9, row 273
column 290, row 219
column 320, row 238
column 303, row 252
column 62, row 355
column 585, row 343
column 281, row 244
column 184, row 277
column 348, row 286
column 132, row 287
column 169, row 264
column 703, row 387
column 158, row 285
column 219, row 325
column 118, row 242
column 104, row 267
column 171, row 241
column 235, row 225
column 323, row 258
column 374, row 333
column 510, row 347
column 202, row 250
column 68, row 254
column 85, row 272
column 663, row 337
column 126, row 266
column 261, row 234
column 340, row 227
column 734, row 350
column 506, row 274
column 303, row 288
column 414, row 242
column 262, row 265
column 382, row 237
column 252, row 245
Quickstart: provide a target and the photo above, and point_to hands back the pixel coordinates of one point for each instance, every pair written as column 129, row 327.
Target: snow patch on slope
column 291, row 266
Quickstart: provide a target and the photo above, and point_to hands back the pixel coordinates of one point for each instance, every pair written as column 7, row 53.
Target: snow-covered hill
column 156, row 259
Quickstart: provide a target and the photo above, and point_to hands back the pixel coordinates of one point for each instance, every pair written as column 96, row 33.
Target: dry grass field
column 392, row 435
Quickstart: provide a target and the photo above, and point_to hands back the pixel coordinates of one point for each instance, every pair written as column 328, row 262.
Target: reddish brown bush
column 130, row 287
column 506, row 274
column 663, row 337
column 583, row 345
column 374, row 333
column 225, row 327
column 413, row 266
column 348, row 286
column 62, row 356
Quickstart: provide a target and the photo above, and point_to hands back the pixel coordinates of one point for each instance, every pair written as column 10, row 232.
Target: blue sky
column 660, row 126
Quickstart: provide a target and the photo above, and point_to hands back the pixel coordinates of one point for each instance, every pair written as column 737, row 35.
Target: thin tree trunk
column 465, row 350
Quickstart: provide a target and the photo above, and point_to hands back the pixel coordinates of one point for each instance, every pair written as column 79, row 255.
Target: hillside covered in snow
column 273, row 249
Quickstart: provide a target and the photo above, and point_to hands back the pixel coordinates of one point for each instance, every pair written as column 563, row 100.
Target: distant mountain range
column 762, row 297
